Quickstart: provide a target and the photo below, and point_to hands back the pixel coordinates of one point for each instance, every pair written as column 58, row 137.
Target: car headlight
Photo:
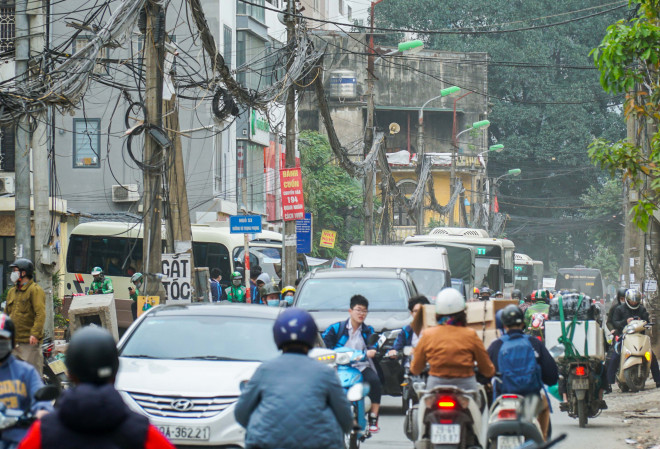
column 343, row 358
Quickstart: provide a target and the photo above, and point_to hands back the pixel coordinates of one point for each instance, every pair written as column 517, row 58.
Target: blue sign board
column 245, row 224
column 304, row 235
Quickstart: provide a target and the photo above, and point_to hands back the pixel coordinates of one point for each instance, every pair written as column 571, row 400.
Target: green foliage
column 546, row 107
column 331, row 195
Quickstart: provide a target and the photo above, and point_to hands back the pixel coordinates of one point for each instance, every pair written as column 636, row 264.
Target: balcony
column 404, row 160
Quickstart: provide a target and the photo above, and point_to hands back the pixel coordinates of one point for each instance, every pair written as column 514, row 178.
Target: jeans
column 370, row 376
column 464, row 383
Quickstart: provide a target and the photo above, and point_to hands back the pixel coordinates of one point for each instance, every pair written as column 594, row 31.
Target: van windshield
column 429, row 282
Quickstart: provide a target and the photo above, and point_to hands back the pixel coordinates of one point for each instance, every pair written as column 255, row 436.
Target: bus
column 585, row 280
column 529, row 274
column 117, row 248
column 493, row 258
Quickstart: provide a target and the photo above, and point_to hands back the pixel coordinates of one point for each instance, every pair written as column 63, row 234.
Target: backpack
column 520, row 371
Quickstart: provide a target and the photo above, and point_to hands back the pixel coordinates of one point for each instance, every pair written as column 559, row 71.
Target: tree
column 331, row 195
column 629, row 62
column 547, row 106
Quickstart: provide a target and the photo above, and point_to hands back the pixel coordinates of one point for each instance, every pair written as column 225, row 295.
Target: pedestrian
column 354, row 333
column 92, row 414
column 26, row 305
column 215, row 286
column 293, row 401
column 136, row 279
column 100, row 284
column 254, row 290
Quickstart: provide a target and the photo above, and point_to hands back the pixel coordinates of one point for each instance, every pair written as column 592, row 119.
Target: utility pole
column 419, row 228
column 290, row 253
column 22, row 213
column 154, row 55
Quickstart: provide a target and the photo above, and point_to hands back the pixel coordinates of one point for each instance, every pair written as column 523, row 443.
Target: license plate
column 57, row 366
column 186, row 432
column 445, row 433
column 509, row 442
column 580, row 384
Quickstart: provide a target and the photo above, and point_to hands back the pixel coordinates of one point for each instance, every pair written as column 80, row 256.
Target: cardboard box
column 591, row 332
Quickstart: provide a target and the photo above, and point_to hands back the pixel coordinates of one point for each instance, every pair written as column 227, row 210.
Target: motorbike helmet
column 295, row 326
column 449, row 301
column 7, row 328
column 621, row 293
column 633, row 298
column 516, row 294
column 97, row 271
column 92, row 356
column 137, row 277
column 236, row 275
column 24, row 265
column 287, row 289
column 272, row 289
column 512, row 316
column 484, row 291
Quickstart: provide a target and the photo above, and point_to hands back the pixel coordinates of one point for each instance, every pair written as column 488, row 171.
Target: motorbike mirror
column 242, row 384
column 373, row 339
column 47, row 393
column 407, row 350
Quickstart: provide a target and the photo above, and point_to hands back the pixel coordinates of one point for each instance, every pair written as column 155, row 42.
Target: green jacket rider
column 540, row 304
column 236, row 291
column 101, row 284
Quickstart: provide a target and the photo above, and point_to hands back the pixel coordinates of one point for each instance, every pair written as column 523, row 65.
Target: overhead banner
column 293, row 203
column 176, row 268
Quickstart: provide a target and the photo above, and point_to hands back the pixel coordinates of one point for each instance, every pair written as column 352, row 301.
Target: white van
column 428, row 266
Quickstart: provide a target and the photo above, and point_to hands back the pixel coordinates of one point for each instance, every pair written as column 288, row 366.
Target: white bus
column 529, row 274
column 117, row 248
column 493, row 263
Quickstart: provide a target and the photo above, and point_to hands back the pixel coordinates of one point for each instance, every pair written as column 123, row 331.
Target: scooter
column 410, row 399
column 11, row 418
column 513, row 421
column 636, row 357
column 451, row 418
column 356, row 393
column 54, row 370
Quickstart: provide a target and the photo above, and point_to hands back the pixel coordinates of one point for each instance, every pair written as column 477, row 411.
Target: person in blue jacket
column 294, row 401
column 354, row 333
column 407, row 337
column 19, row 381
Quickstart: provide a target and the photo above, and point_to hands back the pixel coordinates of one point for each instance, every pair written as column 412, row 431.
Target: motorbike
column 450, row 418
column 11, row 418
column 636, row 357
column 582, row 385
column 356, row 393
column 54, row 371
column 512, row 421
column 410, row 399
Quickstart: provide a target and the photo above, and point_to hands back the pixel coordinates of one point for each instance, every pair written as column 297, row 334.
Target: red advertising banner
column 293, row 204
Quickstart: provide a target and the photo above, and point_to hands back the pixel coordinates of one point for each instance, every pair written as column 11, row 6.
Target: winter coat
column 26, row 306
column 623, row 312
column 336, row 335
column 102, row 286
column 294, row 402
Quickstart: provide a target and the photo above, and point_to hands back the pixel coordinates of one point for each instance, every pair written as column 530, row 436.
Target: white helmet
column 633, row 298
column 449, row 301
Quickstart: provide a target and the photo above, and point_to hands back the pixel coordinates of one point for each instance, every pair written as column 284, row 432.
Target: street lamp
column 475, row 125
column 404, row 47
column 420, row 148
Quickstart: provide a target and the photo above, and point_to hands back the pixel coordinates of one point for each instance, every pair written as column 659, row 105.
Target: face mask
column 289, row 300
column 14, row 276
column 273, row 303
column 236, row 282
column 5, row 349
column 138, row 284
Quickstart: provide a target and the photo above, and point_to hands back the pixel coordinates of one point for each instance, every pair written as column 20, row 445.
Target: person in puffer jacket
column 294, row 401
column 93, row 414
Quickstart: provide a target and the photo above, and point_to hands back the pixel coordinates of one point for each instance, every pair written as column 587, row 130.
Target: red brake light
column 510, row 396
column 580, row 371
column 506, row 413
column 446, row 402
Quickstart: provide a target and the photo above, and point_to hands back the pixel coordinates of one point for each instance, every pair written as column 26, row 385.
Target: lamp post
column 476, row 125
column 513, row 172
column 420, row 150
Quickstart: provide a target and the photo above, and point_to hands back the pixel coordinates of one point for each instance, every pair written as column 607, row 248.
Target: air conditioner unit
column 6, row 184
column 125, row 193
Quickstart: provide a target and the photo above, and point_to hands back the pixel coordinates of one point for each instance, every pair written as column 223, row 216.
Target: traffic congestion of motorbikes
column 464, row 382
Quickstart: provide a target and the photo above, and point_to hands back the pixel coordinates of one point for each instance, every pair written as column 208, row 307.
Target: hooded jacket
column 91, row 416
column 26, row 306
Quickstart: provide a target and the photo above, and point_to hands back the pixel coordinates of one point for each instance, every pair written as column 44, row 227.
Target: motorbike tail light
column 580, row 371
column 446, row 402
column 507, row 413
column 647, row 356
column 446, row 421
column 510, row 396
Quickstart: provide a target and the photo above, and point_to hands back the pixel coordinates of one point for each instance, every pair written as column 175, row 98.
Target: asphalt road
column 602, row 432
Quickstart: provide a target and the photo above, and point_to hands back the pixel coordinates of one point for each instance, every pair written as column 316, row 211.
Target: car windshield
column 335, row 294
column 202, row 337
column 428, row 282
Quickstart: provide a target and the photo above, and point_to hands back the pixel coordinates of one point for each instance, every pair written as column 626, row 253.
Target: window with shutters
column 86, row 143
column 7, row 148
column 227, row 45
column 7, row 27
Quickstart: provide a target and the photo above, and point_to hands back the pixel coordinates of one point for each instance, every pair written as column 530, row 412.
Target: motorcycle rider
column 526, row 303
column 516, row 295
column 547, row 371
column 484, row 294
column 288, row 293
column 407, row 337
column 451, row 349
column 100, row 284
column 624, row 314
column 18, row 383
column 294, row 401
column 540, row 304
column 610, row 367
column 134, row 292
column 236, row 291
column 26, row 305
column 272, row 295
column 354, row 333
column 92, row 414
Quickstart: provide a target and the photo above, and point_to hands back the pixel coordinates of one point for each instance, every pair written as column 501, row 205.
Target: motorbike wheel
column 633, row 378
column 583, row 418
column 351, row 441
column 623, row 387
column 50, row 378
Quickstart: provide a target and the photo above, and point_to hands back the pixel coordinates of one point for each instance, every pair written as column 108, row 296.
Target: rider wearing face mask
column 272, row 298
column 288, row 293
column 19, row 381
column 136, row 279
column 26, row 305
column 101, row 284
column 236, row 291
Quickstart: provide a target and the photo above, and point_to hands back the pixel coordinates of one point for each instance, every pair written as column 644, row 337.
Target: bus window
column 213, row 255
column 76, row 260
column 487, row 273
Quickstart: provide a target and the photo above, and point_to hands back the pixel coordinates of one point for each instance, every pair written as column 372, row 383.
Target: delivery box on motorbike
column 579, row 328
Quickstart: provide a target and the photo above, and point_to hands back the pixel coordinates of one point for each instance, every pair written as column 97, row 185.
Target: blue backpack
column 520, row 371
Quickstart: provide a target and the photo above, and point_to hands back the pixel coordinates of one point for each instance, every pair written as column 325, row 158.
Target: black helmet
column 512, row 315
column 24, row 265
column 516, row 294
column 7, row 328
column 92, row 356
column 621, row 293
